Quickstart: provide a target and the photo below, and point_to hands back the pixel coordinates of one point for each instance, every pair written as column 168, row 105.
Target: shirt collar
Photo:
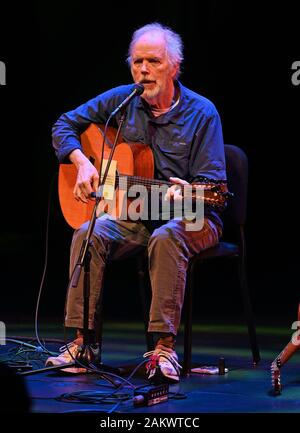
column 175, row 116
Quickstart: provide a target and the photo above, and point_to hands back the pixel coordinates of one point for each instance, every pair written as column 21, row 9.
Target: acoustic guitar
column 134, row 162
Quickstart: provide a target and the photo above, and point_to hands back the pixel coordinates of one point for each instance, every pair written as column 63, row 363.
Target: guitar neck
column 215, row 194
column 139, row 180
column 149, row 183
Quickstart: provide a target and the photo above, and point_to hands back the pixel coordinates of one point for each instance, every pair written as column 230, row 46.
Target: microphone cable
column 41, row 345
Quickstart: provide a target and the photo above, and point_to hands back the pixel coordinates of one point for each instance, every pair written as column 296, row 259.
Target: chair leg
column 187, row 351
column 143, row 280
column 247, row 303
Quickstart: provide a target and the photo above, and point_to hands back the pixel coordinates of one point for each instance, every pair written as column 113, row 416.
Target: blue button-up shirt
column 187, row 141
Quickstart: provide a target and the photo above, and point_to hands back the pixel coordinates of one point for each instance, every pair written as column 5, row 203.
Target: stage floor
column 244, row 389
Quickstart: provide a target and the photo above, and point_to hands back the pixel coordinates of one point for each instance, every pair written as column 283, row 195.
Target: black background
column 60, row 54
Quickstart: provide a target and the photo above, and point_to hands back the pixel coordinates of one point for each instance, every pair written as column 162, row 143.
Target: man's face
column 150, row 65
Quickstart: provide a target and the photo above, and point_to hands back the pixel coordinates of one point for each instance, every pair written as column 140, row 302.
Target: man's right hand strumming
column 87, row 178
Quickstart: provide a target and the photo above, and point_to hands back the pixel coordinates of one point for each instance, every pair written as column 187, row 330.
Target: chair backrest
column 237, row 179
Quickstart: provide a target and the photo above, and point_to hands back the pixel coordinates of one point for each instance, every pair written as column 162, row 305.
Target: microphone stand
column 85, row 356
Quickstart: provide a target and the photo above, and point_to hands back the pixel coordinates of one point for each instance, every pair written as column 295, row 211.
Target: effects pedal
column 150, row 395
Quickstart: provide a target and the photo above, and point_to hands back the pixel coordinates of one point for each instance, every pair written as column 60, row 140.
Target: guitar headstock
column 216, row 194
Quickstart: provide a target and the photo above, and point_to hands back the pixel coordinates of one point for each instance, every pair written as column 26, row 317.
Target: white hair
column 174, row 44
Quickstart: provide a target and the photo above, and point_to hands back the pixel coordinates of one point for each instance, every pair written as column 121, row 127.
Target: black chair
column 235, row 217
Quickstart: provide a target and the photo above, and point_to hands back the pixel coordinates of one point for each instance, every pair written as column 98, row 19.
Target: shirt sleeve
column 67, row 129
column 207, row 158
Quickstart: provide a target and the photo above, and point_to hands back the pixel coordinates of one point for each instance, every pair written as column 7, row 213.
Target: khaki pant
column 169, row 249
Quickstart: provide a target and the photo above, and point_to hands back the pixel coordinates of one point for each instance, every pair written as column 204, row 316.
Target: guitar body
column 132, row 159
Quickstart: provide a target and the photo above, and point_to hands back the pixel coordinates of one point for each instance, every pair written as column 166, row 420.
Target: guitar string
column 153, row 182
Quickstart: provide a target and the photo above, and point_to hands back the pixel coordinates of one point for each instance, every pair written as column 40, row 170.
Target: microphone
column 137, row 90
